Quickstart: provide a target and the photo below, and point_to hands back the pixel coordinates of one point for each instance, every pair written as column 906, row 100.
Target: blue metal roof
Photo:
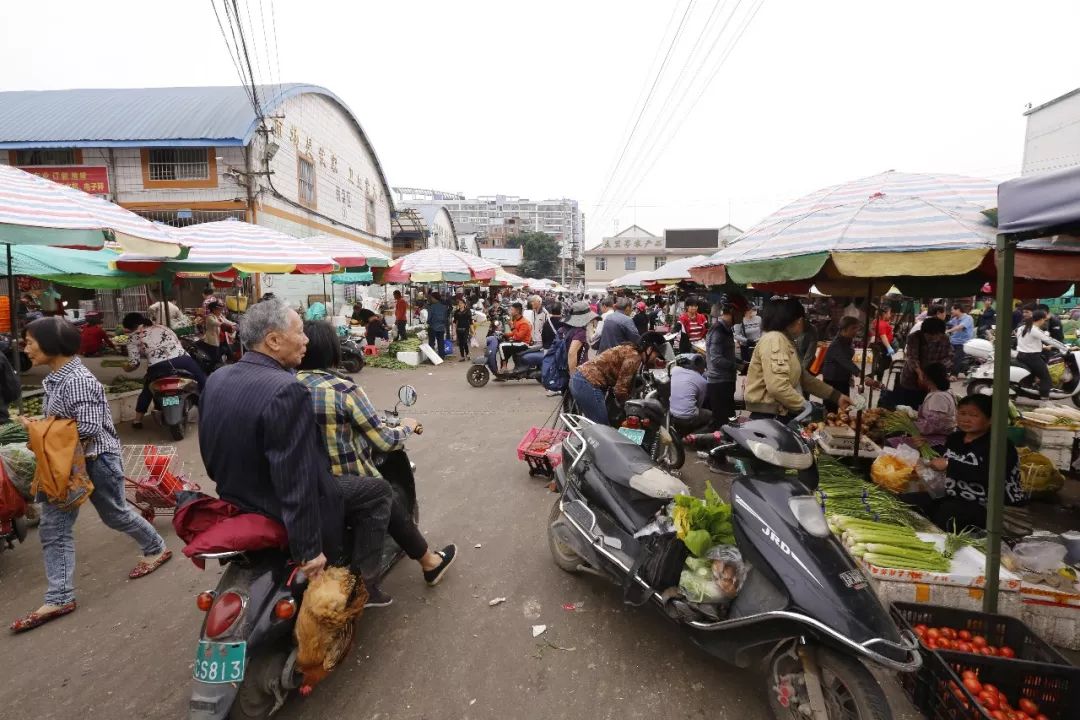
column 138, row 117
column 148, row 117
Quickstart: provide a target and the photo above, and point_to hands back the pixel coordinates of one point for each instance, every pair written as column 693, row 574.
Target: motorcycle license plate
column 170, row 400
column 633, row 434
column 218, row 662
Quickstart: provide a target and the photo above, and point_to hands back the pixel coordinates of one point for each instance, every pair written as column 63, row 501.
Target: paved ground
column 438, row 653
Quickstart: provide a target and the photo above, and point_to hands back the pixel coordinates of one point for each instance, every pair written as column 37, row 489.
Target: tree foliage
column 539, row 253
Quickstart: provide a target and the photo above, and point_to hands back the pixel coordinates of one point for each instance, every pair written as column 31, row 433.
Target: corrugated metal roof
column 137, row 117
column 148, row 117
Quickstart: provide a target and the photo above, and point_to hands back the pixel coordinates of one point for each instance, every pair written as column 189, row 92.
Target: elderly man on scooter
column 264, row 452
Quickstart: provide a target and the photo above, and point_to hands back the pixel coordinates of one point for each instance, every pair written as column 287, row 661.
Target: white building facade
column 186, row 155
column 560, row 217
column 1052, row 140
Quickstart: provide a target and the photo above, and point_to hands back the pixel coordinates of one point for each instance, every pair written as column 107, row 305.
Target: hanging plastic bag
column 474, row 341
column 934, row 480
column 894, row 468
column 20, row 464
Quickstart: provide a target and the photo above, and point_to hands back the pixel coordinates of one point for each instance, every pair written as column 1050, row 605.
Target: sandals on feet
column 35, row 619
column 145, row 568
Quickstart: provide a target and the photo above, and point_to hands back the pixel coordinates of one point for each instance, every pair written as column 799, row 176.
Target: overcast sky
column 536, row 99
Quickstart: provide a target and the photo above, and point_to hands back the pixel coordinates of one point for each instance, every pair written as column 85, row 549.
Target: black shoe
column 377, row 598
column 433, row 576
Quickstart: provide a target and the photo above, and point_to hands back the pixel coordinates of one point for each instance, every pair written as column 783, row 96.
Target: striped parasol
column 239, row 245
column 37, row 211
column 440, row 265
column 888, row 225
column 347, row 253
column 675, row 271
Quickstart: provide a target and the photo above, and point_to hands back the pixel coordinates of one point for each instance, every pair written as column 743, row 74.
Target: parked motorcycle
column 805, row 611
column 199, row 354
column 174, row 397
column 527, row 360
column 352, row 355
column 1023, row 383
column 649, row 418
column 246, row 655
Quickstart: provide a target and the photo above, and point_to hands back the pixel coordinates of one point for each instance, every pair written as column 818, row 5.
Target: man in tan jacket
column 776, row 378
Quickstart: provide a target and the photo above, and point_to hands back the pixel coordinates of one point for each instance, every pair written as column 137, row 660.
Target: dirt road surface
column 437, row 653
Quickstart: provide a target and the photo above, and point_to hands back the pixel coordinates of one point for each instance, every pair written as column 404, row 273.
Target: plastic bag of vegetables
column 715, row 578
column 893, row 469
column 20, row 465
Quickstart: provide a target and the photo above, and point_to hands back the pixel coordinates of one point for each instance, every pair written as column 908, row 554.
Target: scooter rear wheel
column 478, row 375
column 254, row 699
column 979, row 387
column 567, row 560
column 850, row 690
column 668, row 451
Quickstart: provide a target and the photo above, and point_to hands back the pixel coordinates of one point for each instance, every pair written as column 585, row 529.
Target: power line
column 247, row 60
column 668, row 110
column 716, row 70
column 228, row 47
column 648, row 97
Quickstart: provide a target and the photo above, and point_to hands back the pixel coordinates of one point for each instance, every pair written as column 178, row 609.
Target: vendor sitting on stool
column 966, row 463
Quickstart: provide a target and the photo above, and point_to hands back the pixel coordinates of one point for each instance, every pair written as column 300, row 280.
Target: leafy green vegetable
column 700, row 524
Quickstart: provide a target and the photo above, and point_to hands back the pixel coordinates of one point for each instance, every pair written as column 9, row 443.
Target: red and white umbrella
column 37, row 211
column 440, row 265
column 347, row 253
column 238, row 245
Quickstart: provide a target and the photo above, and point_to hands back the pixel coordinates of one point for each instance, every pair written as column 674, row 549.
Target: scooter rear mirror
column 407, row 395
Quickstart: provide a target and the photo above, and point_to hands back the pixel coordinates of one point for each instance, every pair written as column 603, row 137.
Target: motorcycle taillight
column 223, row 614
column 170, row 385
column 632, row 422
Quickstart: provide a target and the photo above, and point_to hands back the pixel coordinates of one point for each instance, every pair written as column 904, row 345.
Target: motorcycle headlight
column 809, row 514
column 768, row 453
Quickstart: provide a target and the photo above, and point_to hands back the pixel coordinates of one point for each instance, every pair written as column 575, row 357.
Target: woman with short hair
column 71, row 391
column 351, row 428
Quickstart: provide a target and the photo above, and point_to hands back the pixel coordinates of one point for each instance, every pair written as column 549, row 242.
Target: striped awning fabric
column 251, row 248
column 347, row 253
column 892, row 212
column 440, row 265
column 37, row 211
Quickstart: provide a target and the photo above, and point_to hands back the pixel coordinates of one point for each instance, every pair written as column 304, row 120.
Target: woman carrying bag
column 72, row 392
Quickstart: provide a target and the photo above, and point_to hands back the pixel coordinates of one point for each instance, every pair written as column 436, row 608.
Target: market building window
column 62, row 156
column 630, row 262
column 305, row 173
column 179, row 167
column 600, row 263
column 369, row 214
column 658, row 262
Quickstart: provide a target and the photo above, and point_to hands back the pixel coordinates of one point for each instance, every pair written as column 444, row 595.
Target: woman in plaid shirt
column 351, row 427
column 71, row 391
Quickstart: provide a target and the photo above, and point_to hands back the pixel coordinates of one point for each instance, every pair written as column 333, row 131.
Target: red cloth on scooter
column 210, row 525
column 12, row 504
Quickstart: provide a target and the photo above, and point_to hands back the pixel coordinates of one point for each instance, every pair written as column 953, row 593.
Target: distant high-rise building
column 495, row 215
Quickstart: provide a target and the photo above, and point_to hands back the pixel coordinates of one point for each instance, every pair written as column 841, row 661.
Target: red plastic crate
column 541, row 450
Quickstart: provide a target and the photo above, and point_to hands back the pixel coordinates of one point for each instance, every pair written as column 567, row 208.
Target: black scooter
column 805, row 611
column 661, row 433
column 245, row 664
column 483, row 369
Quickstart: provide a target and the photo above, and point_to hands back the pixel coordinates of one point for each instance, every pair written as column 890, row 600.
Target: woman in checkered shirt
column 71, row 391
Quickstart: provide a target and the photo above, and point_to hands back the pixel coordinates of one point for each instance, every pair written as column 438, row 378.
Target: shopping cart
column 153, row 474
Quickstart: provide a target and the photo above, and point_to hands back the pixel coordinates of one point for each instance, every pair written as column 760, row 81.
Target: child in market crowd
column 966, row 464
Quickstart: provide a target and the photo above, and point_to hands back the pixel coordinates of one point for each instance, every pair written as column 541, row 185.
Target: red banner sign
column 93, row 179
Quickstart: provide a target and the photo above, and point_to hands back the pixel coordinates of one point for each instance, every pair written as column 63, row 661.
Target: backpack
column 555, row 368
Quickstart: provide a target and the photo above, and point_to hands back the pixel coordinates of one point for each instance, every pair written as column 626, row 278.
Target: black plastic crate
column 997, row 629
column 940, row 694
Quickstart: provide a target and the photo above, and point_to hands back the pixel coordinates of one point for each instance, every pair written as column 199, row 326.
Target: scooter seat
column 624, row 463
